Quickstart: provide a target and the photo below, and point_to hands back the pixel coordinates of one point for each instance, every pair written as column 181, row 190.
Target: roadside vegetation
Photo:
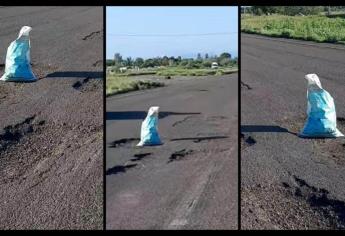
column 120, row 70
column 123, row 84
column 306, row 23
column 176, row 71
column 139, row 66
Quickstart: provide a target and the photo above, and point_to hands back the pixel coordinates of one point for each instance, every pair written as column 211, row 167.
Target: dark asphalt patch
column 92, row 35
column 119, row 169
column 245, row 86
column 123, row 141
column 179, row 155
column 140, row 156
column 13, row 133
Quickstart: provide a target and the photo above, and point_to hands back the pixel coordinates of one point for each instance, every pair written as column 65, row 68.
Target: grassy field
column 117, row 83
column 177, row 71
column 312, row 28
column 123, row 84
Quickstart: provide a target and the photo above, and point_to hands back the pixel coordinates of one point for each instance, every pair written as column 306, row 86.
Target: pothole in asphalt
column 216, row 118
column 92, row 35
column 245, row 86
column 86, row 85
column 119, row 169
column 179, row 155
column 247, row 141
column 77, row 85
column 200, row 139
column 200, row 122
column 181, row 121
column 140, row 156
column 12, row 134
column 98, row 63
column 290, row 206
column 123, row 142
column 332, row 210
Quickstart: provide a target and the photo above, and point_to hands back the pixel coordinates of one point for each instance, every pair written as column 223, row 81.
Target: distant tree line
column 200, row 61
column 290, row 10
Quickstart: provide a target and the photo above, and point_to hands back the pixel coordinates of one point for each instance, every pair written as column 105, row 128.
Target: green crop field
column 312, row 28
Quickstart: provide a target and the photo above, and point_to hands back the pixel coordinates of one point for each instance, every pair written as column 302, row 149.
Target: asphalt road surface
column 289, row 182
column 189, row 182
column 51, row 131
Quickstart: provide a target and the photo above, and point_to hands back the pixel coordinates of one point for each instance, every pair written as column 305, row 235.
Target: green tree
column 117, row 59
column 198, row 57
column 164, row 61
column 225, row 55
column 148, row 63
column 128, row 62
column 139, row 62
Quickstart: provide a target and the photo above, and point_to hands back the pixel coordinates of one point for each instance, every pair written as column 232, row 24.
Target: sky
column 171, row 31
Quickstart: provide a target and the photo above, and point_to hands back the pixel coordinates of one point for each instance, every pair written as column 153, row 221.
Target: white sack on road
column 149, row 129
column 18, row 66
column 322, row 119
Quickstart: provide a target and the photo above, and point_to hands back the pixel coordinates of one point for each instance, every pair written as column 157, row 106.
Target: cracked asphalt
column 289, row 182
column 190, row 182
column 51, row 131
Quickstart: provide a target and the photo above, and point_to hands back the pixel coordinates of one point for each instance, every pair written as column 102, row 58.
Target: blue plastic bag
column 149, row 129
column 322, row 119
column 18, row 66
